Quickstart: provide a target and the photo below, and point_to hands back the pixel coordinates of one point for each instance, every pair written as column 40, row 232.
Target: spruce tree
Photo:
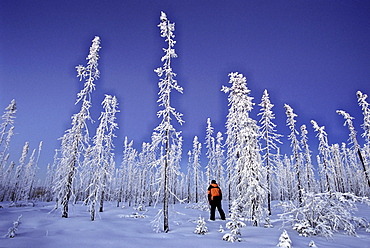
column 353, row 140
column 6, row 132
column 248, row 194
column 101, row 159
column 291, row 123
column 269, row 140
column 75, row 139
column 309, row 177
column 323, row 157
column 165, row 134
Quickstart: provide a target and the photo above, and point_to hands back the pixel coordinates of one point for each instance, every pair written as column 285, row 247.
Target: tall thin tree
column 210, row 146
column 270, row 139
column 6, row 132
column 101, row 155
column 196, row 167
column 75, row 139
column 353, row 139
column 323, row 157
column 306, row 158
column 291, row 123
column 165, row 133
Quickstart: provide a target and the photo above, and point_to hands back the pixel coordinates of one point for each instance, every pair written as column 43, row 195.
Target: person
column 214, row 199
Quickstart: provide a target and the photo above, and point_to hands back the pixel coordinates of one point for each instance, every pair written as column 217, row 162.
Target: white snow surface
column 116, row 227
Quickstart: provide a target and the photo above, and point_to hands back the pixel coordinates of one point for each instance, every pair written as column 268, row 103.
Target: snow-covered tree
column 7, row 189
column 281, row 179
column 48, row 183
column 324, row 156
column 354, row 142
column 269, row 139
column 108, row 122
column 312, row 244
column 17, row 177
column 176, row 154
column 27, row 180
column 284, row 240
column 188, row 178
column 244, row 163
column 129, row 172
column 201, row 227
column 101, row 157
column 75, row 139
column 240, row 104
column 210, row 146
column 165, row 135
column 219, row 161
column 366, row 113
column 347, row 166
column 338, row 169
column 365, row 126
column 6, row 132
column 234, row 226
column 12, row 230
column 291, row 123
column 197, row 146
column 146, row 175
column 308, row 175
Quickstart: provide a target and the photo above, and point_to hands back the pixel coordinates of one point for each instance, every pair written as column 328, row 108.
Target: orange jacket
column 214, row 192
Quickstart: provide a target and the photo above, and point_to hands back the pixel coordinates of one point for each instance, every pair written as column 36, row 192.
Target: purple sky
column 313, row 55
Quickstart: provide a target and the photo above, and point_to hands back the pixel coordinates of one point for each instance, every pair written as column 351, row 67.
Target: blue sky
column 313, row 55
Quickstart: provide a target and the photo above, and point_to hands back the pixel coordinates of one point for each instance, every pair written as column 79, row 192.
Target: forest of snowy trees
column 318, row 193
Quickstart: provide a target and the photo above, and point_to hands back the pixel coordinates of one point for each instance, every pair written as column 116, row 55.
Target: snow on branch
column 323, row 214
column 11, row 231
column 90, row 72
column 348, row 122
column 366, row 112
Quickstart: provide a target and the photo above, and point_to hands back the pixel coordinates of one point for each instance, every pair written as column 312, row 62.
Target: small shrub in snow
column 267, row 223
column 325, row 213
column 11, row 232
column 141, row 208
column 284, row 240
column 14, row 228
column 304, row 229
column 234, row 226
column 312, row 244
column 157, row 222
column 201, row 227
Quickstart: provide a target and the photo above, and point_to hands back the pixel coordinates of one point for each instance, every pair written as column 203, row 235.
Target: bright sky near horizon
column 313, row 55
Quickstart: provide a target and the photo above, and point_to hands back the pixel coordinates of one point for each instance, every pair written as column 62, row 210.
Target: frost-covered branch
column 325, row 213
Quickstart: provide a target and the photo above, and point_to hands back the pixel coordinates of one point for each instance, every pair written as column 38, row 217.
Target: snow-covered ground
column 116, row 227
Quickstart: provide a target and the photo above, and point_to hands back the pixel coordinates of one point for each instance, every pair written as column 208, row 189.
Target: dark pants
column 216, row 203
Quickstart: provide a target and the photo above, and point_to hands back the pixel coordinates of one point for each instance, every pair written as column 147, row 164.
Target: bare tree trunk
column 363, row 166
column 103, row 192
column 92, row 211
column 68, row 193
column 165, row 186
